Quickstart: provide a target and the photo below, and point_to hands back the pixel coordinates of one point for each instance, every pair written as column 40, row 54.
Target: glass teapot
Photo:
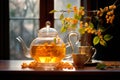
column 48, row 48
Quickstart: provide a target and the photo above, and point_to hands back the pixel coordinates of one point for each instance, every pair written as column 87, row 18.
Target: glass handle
column 95, row 51
column 73, row 33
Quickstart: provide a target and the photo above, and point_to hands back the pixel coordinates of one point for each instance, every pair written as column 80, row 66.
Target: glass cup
column 84, row 56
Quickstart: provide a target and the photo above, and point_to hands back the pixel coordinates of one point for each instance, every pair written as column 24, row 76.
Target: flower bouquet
column 96, row 25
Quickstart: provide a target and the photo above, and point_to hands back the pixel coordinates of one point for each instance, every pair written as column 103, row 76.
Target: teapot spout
column 26, row 50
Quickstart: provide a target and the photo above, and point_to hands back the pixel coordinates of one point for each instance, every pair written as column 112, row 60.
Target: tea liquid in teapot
column 48, row 52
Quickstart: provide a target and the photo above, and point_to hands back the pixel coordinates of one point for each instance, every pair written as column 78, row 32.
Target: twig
column 115, row 2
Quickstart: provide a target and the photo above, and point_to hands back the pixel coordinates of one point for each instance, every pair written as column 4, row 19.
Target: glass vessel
column 47, row 49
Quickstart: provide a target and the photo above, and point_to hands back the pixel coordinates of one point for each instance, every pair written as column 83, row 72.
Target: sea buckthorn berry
column 24, row 65
column 114, row 6
column 106, row 9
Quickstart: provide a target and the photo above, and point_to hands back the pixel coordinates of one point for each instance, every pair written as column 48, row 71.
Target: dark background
column 112, row 51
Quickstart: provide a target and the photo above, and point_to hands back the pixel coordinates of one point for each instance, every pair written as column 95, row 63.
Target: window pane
column 27, row 29
column 24, row 22
column 24, row 8
column 61, row 5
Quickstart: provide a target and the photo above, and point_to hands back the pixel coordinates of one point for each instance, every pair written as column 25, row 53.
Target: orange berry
column 106, row 9
column 24, row 65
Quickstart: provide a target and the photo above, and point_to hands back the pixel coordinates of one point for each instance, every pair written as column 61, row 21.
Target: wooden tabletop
column 12, row 68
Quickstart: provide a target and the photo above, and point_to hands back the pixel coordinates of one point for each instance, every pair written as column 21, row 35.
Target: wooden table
column 11, row 69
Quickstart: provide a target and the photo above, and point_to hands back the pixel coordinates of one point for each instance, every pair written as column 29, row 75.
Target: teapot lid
column 47, row 31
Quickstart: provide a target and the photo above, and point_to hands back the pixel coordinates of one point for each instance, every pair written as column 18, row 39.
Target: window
column 24, row 22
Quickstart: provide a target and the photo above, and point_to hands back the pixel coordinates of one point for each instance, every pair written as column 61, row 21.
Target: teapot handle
column 73, row 33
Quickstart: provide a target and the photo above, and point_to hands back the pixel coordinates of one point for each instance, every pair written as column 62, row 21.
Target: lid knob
column 48, row 23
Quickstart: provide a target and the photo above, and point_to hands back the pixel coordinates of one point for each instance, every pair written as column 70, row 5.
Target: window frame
column 4, row 29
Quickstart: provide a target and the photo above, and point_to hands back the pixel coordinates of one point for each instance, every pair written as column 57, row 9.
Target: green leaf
column 77, row 17
column 107, row 37
column 96, row 40
column 63, row 29
column 101, row 66
column 82, row 8
column 54, row 40
column 68, row 6
column 91, row 25
column 103, row 42
column 63, row 21
column 61, row 16
column 52, row 11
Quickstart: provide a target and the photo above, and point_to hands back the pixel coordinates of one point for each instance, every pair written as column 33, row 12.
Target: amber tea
column 48, row 53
